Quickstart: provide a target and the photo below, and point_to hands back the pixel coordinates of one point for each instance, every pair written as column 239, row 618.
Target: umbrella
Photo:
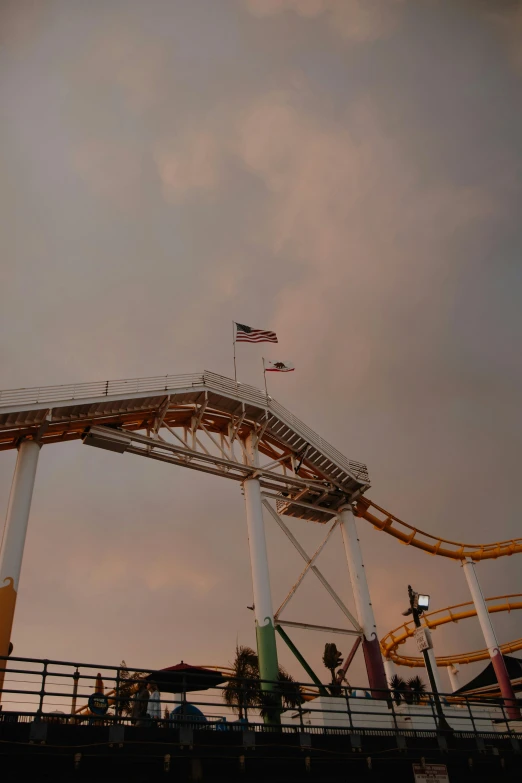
column 184, row 677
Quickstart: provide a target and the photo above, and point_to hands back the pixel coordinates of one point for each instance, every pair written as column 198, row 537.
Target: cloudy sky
column 346, row 173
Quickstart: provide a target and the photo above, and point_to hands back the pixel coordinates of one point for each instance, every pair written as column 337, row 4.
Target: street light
column 423, row 602
column 419, row 603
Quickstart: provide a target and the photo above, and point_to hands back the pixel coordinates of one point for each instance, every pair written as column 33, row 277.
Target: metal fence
column 39, row 690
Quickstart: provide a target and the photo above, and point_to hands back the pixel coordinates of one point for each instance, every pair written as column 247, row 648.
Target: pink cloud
column 347, row 202
column 112, row 169
column 354, row 20
column 189, row 162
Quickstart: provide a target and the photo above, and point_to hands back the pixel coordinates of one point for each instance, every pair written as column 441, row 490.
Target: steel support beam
column 263, row 612
column 499, row 665
column 314, row 569
column 304, row 663
column 14, row 540
column 453, row 674
column 325, row 628
column 361, row 592
column 309, row 565
column 390, row 670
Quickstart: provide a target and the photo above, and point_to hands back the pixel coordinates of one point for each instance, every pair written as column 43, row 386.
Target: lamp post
column 418, row 604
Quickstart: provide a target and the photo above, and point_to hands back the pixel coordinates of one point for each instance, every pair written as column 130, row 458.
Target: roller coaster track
column 433, row 620
column 434, row 545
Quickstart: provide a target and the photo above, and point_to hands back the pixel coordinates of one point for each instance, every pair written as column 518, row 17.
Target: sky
column 345, row 173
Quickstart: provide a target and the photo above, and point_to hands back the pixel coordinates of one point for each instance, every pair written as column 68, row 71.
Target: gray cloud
column 356, row 189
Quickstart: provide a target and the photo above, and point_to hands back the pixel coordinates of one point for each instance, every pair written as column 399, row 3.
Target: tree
column 128, row 685
column 243, row 690
column 399, row 689
column 332, row 659
column 417, row 688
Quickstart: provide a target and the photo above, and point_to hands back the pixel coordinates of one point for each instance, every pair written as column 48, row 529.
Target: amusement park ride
column 212, row 424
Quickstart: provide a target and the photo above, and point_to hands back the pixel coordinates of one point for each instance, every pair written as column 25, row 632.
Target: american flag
column 247, row 334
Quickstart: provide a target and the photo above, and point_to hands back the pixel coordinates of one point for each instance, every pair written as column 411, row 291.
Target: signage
column 98, row 703
column 423, row 638
column 430, row 773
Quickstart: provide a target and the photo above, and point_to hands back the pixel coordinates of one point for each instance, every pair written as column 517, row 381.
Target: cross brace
column 314, row 568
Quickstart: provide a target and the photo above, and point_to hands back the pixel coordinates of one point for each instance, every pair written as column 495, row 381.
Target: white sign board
column 430, row 773
column 423, row 638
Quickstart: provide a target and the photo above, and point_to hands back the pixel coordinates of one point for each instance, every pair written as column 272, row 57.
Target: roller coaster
column 433, row 545
column 212, row 424
column 394, row 639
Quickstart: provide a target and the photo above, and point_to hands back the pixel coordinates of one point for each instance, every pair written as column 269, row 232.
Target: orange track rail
column 398, row 636
column 412, row 536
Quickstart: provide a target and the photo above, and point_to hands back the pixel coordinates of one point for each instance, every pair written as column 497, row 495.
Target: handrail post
column 42, row 690
column 391, row 702
column 348, row 708
column 471, row 715
column 244, row 700
column 117, row 696
column 433, row 710
column 504, row 717
column 301, row 721
column 76, row 678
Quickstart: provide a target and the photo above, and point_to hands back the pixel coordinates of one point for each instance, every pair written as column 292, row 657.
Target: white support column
column 263, row 611
column 492, row 644
column 14, row 539
column 363, row 604
column 453, row 674
column 390, row 669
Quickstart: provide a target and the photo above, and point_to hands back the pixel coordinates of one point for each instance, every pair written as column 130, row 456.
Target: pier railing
column 50, row 691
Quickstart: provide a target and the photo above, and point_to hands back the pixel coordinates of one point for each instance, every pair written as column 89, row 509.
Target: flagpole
column 234, row 344
column 264, row 375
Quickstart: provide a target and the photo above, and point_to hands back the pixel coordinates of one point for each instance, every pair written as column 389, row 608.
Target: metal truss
column 200, row 439
column 204, row 413
column 313, row 568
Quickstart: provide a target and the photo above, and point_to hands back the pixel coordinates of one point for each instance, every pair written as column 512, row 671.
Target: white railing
column 250, row 393
column 78, row 391
column 54, row 395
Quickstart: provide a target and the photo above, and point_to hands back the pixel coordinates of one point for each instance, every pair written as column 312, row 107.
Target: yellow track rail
column 412, row 536
column 398, row 636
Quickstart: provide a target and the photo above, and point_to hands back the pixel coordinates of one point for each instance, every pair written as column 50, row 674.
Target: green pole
column 313, row 676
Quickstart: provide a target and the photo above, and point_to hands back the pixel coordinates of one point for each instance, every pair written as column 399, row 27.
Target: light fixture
column 423, row 602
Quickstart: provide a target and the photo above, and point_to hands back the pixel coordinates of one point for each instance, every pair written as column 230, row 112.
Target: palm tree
column 400, row 689
column 417, row 687
column 127, row 687
column 332, row 659
column 243, row 690
column 290, row 691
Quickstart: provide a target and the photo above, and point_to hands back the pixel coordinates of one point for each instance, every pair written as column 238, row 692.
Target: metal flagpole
column 234, row 344
column 264, row 375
